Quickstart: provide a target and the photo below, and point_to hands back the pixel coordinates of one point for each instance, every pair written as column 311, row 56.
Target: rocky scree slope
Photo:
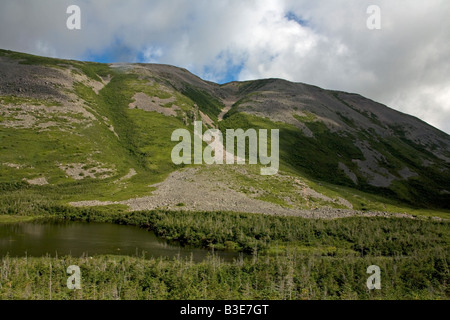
column 75, row 131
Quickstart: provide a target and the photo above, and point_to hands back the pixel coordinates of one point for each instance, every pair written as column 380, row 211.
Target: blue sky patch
column 293, row 17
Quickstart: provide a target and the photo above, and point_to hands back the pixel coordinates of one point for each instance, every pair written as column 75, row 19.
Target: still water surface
column 54, row 237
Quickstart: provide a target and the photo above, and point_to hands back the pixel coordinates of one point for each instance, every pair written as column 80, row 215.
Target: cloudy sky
column 405, row 64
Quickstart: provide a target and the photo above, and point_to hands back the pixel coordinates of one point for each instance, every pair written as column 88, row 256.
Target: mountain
column 90, row 134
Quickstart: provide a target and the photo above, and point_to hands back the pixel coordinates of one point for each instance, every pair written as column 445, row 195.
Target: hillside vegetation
column 92, row 142
column 78, row 131
column 287, row 258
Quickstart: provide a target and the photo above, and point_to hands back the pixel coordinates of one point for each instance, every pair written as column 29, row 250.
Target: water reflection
column 56, row 237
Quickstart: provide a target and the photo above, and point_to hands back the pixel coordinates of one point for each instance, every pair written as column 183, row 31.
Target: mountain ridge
column 119, row 117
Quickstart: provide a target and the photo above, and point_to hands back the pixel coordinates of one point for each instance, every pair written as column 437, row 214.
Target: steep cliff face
column 73, row 131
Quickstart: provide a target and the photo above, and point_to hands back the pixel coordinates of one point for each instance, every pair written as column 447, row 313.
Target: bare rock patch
column 144, row 102
column 79, row 171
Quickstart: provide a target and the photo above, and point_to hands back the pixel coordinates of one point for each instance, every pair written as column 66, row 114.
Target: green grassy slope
column 318, row 158
column 120, row 138
column 143, row 141
column 288, row 257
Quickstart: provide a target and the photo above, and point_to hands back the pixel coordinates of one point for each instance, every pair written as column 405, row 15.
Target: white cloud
column 326, row 43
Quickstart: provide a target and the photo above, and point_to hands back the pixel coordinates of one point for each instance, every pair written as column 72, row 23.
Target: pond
column 57, row 238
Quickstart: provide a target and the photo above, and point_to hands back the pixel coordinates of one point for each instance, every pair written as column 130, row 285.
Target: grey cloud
column 405, row 65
